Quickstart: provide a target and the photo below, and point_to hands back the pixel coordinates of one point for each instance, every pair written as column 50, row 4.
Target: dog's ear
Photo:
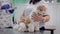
column 38, row 7
column 45, row 8
column 27, row 20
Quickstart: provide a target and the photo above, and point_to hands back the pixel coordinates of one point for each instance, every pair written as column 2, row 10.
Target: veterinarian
column 31, row 5
column 5, row 15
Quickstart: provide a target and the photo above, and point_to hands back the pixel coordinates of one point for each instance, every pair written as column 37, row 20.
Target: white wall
column 57, row 21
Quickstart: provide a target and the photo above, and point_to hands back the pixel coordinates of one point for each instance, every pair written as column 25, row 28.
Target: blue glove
column 11, row 11
column 6, row 6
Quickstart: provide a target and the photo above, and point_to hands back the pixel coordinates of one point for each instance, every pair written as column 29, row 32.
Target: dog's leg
column 37, row 26
column 22, row 27
column 31, row 27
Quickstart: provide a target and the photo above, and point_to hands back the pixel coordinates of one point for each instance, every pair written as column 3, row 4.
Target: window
column 58, row 0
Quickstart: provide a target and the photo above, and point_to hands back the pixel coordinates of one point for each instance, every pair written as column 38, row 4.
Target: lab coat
column 30, row 7
column 5, row 19
column 27, row 11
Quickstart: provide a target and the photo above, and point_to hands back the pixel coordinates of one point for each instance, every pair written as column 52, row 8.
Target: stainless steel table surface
column 11, row 31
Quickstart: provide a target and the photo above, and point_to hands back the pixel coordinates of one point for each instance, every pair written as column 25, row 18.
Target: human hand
column 22, row 19
column 37, row 17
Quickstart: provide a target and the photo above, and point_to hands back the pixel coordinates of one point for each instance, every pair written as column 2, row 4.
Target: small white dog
column 34, row 25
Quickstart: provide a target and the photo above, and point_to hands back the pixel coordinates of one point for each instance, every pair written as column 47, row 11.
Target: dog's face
column 41, row 8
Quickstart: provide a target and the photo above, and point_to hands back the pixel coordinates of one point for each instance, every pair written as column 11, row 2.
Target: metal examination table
column 12, row 31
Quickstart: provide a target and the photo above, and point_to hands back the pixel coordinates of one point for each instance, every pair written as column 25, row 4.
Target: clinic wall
column 57, row 21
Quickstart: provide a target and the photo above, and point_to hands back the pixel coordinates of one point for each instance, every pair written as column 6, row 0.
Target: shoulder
column 28, row 8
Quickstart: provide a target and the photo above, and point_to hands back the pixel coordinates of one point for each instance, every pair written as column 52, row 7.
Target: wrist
column 44, row 19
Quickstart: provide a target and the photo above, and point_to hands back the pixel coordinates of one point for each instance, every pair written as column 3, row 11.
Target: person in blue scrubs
column 6, row 13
